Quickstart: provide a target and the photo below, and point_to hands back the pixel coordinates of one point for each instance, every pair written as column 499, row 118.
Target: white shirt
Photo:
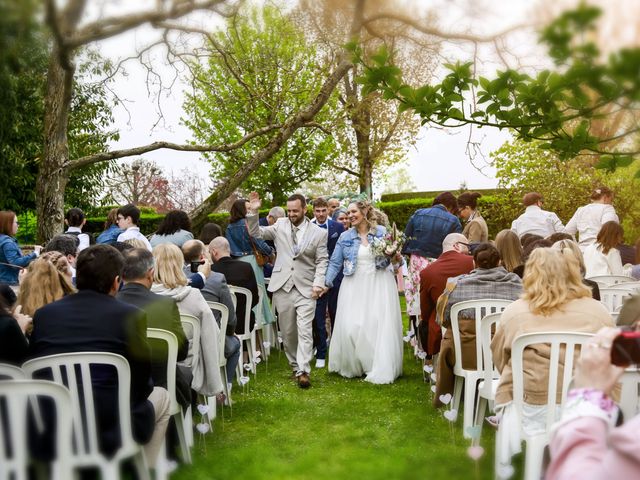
column 588, row 220
column 537, row 221
column 597, row 263
column 134, row 232
column 300, row 230
column 83, row 238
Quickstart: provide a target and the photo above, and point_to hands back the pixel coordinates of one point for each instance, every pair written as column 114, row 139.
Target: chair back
column 247, row 310
column 487, row 325
column 191, row 327
column 11, row 372
column 224, row 320
column 73, row 370
column 16, row 397
column 604, row 281
column 556, row 340
column 630, row 393
column 481, row 308
column 172, row 358
column 633, row 287
column 613, row 297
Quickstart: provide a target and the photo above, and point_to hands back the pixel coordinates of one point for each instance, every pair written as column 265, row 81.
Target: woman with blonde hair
column 170, row 280
column 554, row 299
column 573, row 246
column 510, row 249
column 48, row 279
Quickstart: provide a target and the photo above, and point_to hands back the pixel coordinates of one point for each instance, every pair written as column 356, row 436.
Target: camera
column 625, row 349
column 195, row 265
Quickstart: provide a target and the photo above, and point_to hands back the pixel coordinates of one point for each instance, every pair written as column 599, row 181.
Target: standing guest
column 510, row 250
column 209, row 232
column 330, row 299
column 535, row 220
column 48, row 279
column 14, row 346
column 93, row 320
column 475, row 228
column 128, row 218
column 588, row 220
column 602, row 257
column 75, row 221
column 175, row 228
column 455, row 260
column 244, row 246
column 111, row 230
column 340, row 215
column 11, row 258
column 274, row 214
column 425, row 233
column 488, row 280
column 572, row 246
column 297, row 279
column 333, row 204
column 169, row 280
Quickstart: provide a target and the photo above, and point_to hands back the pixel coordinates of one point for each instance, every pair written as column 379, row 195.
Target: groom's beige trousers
column 295, row 315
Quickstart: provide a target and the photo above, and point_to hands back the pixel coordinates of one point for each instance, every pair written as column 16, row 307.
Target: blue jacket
column 11, row 253
column 335, row 229
column 345, row 254
column 110, row 235
column 426, row 230
column 239, row 242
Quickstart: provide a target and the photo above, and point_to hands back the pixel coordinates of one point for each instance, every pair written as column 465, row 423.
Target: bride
column 367, row 338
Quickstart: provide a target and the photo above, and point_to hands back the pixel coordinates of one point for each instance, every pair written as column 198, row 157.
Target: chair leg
column 480, row 411
column 469, row 407
column 533, row 459
column 182, row 438
column 457, row 394
column 140, row 464
column 252, row 352
column 188, row 426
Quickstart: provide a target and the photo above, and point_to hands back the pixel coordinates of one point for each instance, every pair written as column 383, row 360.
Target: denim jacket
column 11, row 253
column 110, row 235
column 239, row 242
column 346, row 254
column 426, row 230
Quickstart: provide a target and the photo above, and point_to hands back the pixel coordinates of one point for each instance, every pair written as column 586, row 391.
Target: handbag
column 261, row 258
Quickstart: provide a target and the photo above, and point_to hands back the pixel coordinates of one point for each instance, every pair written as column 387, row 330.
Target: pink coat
column 583, row 449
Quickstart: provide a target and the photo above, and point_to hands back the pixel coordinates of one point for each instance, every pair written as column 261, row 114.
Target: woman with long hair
column 509, row 248
column 554, row 299
column 602, row 257
column 14, row 346
column 11, row 258
column 175, row 228
column 111, row 230
column 475, row 228
column 588, row 220
column 367, row 338
column 170, row 280
column 573, row 247
column 47, row 279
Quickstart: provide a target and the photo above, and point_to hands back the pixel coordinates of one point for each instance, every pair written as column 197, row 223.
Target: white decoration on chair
column 445, row 399
column 203, row 409
column 475, row 452
column 243, row 380
column 247, row 367
column 266, row 345
column 428, row 368
column 202, row 428
column 433, row 388
column 451, row 414
column 422, row 355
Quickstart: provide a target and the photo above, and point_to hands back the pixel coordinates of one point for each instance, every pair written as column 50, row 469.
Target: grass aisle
column 338, row 429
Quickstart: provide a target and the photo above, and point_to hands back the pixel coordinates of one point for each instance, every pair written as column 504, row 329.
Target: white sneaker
column 320, row 362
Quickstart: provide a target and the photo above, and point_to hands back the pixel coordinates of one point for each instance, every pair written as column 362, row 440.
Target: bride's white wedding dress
column 367, row 338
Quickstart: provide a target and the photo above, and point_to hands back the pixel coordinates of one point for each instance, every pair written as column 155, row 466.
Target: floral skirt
column 412, row 283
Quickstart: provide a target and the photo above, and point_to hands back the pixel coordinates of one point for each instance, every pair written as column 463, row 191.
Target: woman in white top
column 588, row 220
column 602, row 257
column 75, row 221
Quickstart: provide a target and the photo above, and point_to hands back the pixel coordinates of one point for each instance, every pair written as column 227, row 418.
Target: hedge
column 396, row 197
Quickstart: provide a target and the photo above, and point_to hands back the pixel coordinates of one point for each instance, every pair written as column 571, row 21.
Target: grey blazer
column 307, row 268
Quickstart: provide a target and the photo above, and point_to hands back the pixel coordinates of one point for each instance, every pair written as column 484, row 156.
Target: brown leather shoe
column 303, row 380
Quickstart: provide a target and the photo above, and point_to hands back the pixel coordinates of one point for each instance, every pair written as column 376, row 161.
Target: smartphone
column 625, row 350
column 195, row 265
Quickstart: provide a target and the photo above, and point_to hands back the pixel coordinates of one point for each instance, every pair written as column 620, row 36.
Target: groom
column 297, row 279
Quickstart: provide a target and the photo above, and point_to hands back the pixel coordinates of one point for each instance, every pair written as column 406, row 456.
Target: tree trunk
column 53, row 175
column 362, row 126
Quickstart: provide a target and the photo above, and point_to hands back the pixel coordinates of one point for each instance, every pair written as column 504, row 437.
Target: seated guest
column 532, row 243
column 573, row 246
column 535, row 220
column 93, row 320
column 510, row 250
column 488, row 280
column 66, row 245
column 169, row 280
column 556, row 237
column 48, row 279
column 209, row 232
column 11, row 258
column 175, row 228
column 75, row 221
column 454, row 260
column 630, row 311
column 602, row 257
column 128, row 218
column 8, row 296
column 554, row 299
column 236, row 274
column 111, row 230
column 196, row 256
column 627, row 253
column 529, row 238
column 13, row 328
column 635, row 269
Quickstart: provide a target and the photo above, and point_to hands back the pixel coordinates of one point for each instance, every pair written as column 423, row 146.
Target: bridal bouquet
column 390, row 244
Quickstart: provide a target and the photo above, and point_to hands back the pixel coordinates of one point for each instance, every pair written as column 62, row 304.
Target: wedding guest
column 554, row 299
column 630, row 311
column 530, row 246
column 635, row 269
column 48, row 279
column 68, row 246
column 488, row 280
column 627, row 253
column 475, row 228
column 169, row 280
column 209, row 232
column 14, row 346
column 333, row 204
column 11, row 258
column 340, row 215
column 274, row 214
column 175, row 228
column 572, row 245
column 509, row 248
column 455, row 260
column 528, row 238
column 588, row 220
column 535, row 220
column 111, row 230
column 556, row 237
column 75, row 221
column 602, row 257
column 128, row 218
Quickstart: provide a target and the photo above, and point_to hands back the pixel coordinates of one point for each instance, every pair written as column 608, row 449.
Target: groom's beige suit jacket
column 306, row 269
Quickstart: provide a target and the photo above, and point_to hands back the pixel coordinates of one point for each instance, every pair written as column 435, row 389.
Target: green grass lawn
column 338, row 429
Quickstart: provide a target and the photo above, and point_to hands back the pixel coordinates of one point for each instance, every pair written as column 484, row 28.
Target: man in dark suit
column 92, row 320
column 334, row 230
column 238, row 274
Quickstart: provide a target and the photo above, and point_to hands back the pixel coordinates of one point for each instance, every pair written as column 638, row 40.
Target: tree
column 187, row 190
column 259, row 69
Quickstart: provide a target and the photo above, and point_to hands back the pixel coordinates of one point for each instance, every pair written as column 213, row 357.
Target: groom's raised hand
column 254, row 202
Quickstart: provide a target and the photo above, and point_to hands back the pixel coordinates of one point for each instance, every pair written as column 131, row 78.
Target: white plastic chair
column 224, row 320
column 488, row 386
column 630, row 286
column 535, row 444
column 15, row 397
column 11, row 372
column 630, row 393
column 175, row 410
column 249, row 336
column 74, row 369
column 191, row 328
column 613, row 297
column 605, row 281
column 463, row 377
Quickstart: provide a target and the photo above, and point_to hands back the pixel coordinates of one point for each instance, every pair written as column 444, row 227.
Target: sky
column 438, row 161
